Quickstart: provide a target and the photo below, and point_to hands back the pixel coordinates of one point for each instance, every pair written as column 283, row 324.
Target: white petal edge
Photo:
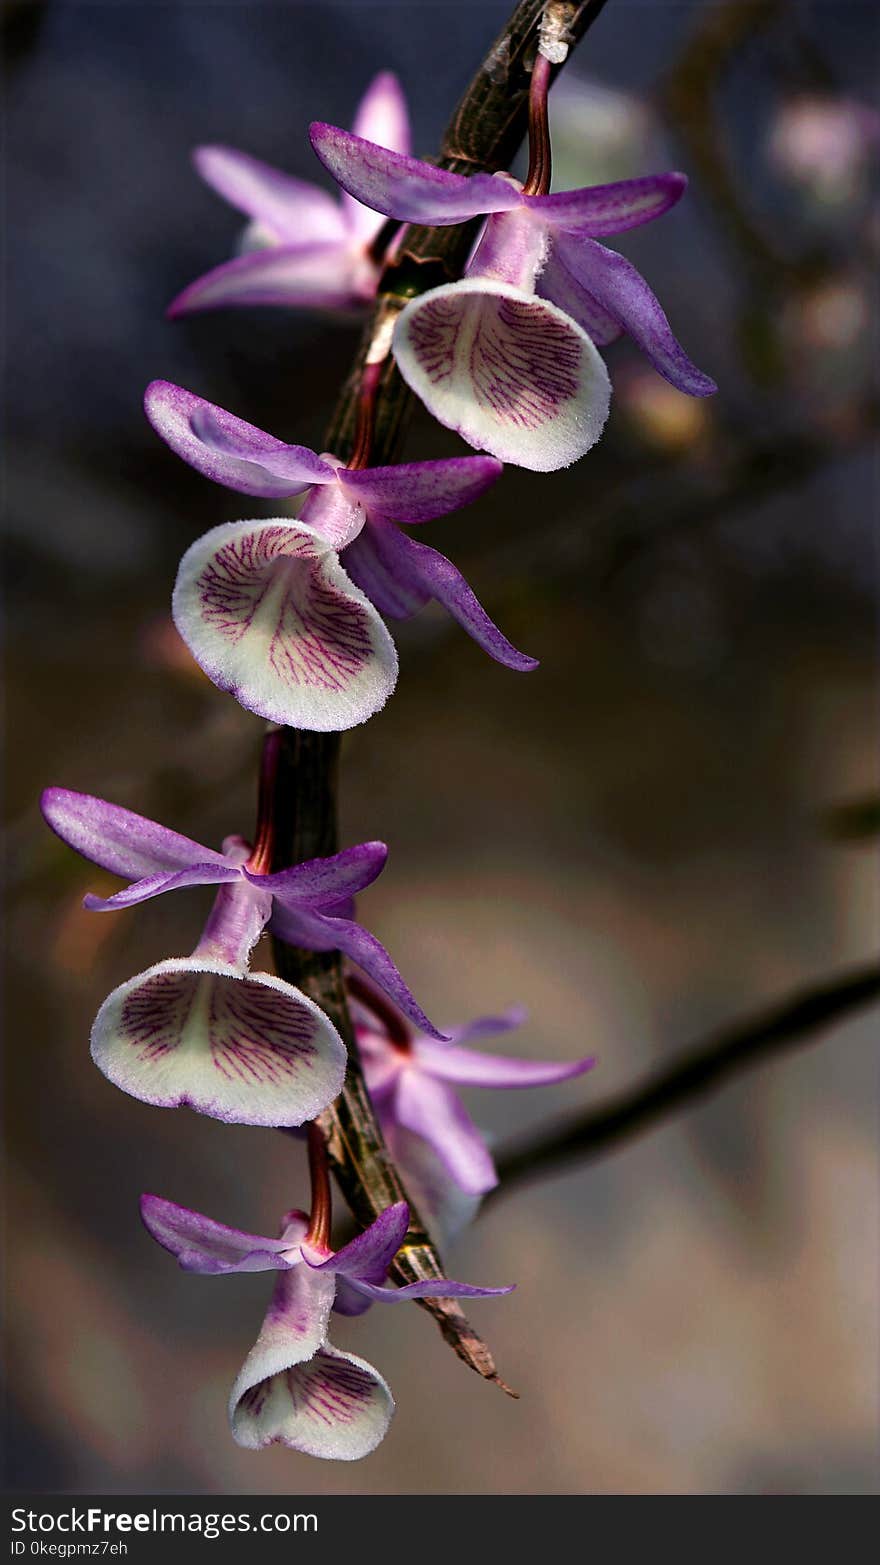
column 300, row 645
column 153, row 1038
column 510, row 372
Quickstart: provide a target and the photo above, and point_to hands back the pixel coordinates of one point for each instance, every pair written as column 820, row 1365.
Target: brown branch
column 695, row 1074
column 484, row 133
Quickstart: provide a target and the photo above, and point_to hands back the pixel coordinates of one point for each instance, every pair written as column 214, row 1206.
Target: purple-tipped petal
column 269, row 613
column 382, row 114
column 509, row 371
column 317, row 883
column 624, row 294
column 312, row 277
column 348, row 1301
column 434, row 1111
column 319, row 932
column 296, row 212
column 404, row 187
column 447, row 1062
column 445, row 1207
column 155, row 885
column 600, row 210
column 400, row 576
column 245, row 1048
column 227, row 449
column 202, row 1245
column 442, row 1288
column 381, row 117
column 368, row 1256
column 420, row 491
column 557, row 283
column 117, row 839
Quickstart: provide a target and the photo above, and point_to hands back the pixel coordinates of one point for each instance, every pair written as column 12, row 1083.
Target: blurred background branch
column 702, row 1070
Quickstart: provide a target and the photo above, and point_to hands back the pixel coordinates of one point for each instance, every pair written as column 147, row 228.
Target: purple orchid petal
column 489, row 1026
column 404, row 187
column 557, row 283
column 624, row 294
column 447, row 1062
column 155, row 885
column 445, row 1207
column 293, row 1330
column 382, row 114
column 117, row 839
column 317, row 883
column 329, row 1404
column 245, row 1048
column 509, row 371
column 348, row 1301
column 202, row 1245
column 610, row 209
column 314, row 276
column 404, row 575
column 319, row 932
column 420, row 491
column 368, row 1257
column 442, row 1288
column 381, row 117
column 433, row 1111
column 269, row 613
column 228, row 450
column 295, row 211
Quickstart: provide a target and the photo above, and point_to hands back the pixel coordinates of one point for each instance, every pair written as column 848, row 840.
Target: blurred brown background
column 639, row 841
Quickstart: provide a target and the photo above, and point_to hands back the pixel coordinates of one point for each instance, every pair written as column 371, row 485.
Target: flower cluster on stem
column 288, row 614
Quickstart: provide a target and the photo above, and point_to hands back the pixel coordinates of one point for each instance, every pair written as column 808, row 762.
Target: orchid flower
column 507, row 356
column 302, row 247
column 284, row 613
column 412, row 1079
column 295, row 1388
column 204, row 1030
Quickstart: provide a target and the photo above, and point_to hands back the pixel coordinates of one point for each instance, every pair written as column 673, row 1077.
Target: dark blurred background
column 667, row 826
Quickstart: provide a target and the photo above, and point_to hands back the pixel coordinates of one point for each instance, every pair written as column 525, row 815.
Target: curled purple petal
column 557, row 283
column 624, row 294
column 317, row 883
column 227, row 449
column 599, row 210
column 295, row 211
column 369, row 1255
column 319, row 932
column 381, row 117
column 433, row 1111
column 119, row 840
column 467, row 1067
column 415, row 492
column 406, row 574
column 440, row 1288
column 313, row 277
column 404, row 187
column 200, row 1244
column 382, row 114
column 155, row 885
